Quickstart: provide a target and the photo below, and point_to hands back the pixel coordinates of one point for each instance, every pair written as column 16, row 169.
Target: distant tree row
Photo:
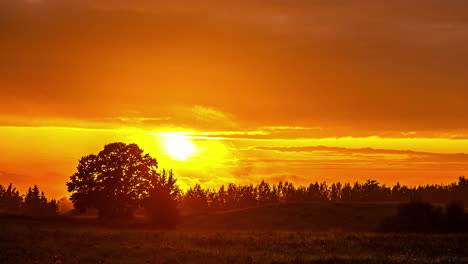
column 233, row 196
column 33, row 203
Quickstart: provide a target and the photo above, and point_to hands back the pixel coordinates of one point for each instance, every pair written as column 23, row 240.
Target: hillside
column 298, row 216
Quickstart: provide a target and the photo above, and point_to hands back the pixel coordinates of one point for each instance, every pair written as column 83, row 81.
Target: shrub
column 422, row 217
column 161, row 208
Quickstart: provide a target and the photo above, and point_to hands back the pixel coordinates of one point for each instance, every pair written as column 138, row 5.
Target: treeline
column 32, row 203
column 121, row 179
column 233, row 196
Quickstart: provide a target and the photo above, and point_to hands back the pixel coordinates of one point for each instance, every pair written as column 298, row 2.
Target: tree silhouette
column 10, row 199
column 114, row 181
column 195, row 200
column 36, row 203
column 265, row 194
column 161, row 203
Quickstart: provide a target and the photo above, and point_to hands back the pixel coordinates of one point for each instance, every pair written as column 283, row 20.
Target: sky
column 236, row 91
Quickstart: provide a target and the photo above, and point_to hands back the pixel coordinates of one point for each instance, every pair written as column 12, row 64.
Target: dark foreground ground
column 32, row 243
column 288, row 234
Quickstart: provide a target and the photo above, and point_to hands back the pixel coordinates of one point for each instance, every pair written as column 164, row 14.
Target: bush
column 456, row 220
column 161, row 208
column 422, row 217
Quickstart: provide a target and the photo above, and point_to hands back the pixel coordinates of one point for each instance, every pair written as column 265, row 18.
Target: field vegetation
column 81, row 240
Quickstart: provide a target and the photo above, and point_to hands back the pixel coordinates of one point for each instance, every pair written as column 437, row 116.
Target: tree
column 371, row 191
column 195, row 201
column 346, row 192
column 10, row 199
column 335, row 192
column 265, row 193
column 114, row 181
column 461, row 189
column 161, row 203
column 37, row 204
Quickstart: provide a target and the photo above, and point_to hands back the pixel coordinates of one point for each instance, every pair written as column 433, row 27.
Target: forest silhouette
column 33, row 203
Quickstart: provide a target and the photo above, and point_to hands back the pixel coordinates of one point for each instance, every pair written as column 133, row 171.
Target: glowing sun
column 179, row 146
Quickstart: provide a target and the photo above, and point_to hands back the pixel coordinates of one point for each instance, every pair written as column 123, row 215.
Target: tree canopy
column 114, row 181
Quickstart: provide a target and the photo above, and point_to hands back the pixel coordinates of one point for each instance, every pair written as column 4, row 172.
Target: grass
column 23, row 243
column 24, row 240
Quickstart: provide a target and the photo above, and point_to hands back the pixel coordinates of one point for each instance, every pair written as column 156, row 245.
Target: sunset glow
column 236, row 91
column 178, row 145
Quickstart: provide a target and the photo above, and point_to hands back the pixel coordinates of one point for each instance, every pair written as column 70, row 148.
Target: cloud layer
column 321, row 89
column 358, row 64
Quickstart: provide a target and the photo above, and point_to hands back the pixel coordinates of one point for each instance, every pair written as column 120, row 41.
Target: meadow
column 276, row 234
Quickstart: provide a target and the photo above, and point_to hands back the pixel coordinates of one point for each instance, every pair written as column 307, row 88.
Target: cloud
column 9, row 177
column 297, row 64
column 413, row 156
column 211, row 114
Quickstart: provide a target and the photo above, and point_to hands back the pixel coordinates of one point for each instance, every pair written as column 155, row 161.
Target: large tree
column 115, row 181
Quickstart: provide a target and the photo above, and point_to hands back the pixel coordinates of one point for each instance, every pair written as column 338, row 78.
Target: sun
column 178, row 146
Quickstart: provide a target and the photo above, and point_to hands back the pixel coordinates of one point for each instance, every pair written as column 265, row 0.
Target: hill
column 362, row 217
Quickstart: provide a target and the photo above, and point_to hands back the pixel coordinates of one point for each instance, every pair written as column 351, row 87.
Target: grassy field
column 290, row 236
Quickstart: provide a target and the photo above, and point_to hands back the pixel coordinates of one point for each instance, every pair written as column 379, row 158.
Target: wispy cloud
column 209, row 113
column 409, row 155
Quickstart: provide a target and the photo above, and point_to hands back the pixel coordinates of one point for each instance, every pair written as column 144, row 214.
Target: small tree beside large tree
column 116, row 181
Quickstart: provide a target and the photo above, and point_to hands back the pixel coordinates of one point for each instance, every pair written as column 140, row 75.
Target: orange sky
column 262, row 89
